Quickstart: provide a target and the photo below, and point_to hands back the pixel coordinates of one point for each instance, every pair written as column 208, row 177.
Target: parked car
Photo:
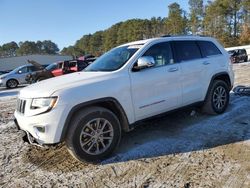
column 57, row 69
column 238, row 55
column 17, row 76
column 90, row 110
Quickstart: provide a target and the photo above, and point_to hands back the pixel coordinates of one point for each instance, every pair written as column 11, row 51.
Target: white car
column 17, row 76
column 89, row 110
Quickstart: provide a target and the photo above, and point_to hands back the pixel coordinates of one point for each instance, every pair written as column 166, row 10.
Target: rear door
column 213, row 61
column 193, row 70
column 156, row 89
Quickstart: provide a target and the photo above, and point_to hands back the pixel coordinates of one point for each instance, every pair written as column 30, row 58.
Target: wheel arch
column 13, row 79
column 110, row 103
column 220, row 76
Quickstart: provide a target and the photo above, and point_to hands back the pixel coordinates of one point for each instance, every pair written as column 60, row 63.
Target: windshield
column 51, row 67
column 114, row 59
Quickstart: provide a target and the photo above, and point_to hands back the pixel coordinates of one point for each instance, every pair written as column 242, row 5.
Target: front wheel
column 12, row 83
column 217, row 98
column 94, row 134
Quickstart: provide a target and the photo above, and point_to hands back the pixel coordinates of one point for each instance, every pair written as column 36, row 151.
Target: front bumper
column 45, row 128
column 1, row 82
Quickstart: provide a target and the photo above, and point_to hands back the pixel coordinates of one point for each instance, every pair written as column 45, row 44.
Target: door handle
column 206, row 63
column 173, row 69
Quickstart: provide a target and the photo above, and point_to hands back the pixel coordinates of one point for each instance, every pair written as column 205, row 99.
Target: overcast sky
column 65, row 21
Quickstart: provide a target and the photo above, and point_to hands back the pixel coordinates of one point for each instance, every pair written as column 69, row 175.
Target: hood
column 47, row 87
column 4, row 75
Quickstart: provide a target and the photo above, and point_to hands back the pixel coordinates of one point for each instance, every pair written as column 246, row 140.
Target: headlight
column 43, row 103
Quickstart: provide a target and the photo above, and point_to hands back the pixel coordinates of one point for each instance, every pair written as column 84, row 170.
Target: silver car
column 17, row 76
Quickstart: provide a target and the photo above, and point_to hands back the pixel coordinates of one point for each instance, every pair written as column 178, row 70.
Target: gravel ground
column 183, row 149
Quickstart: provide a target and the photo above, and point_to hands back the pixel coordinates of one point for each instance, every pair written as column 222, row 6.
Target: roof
column 166, row 38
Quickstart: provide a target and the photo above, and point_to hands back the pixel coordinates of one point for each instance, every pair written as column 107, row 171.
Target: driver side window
column 161, row 53
column 23, row 70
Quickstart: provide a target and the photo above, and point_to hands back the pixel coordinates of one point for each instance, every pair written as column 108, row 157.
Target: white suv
column 89, row 110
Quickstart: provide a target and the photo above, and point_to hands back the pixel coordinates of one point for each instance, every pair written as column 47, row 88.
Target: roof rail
column 183, row 36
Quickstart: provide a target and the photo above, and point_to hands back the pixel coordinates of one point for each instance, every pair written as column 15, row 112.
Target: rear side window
column 208, row 48
column 33, row 68
column 242, row 51
column 186, row 50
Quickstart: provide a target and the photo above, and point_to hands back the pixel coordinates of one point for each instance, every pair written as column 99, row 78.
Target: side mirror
column 145, row 62
column 19, row 72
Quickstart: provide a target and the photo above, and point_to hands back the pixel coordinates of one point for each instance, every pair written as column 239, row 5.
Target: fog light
column 40, row 129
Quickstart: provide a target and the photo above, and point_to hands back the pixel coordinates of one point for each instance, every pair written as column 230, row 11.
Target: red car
column 58, row 69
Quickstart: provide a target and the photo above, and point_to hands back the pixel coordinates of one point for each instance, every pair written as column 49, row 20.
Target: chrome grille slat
column 21, row 105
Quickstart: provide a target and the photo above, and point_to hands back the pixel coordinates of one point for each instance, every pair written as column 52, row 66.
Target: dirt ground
column 183, row 149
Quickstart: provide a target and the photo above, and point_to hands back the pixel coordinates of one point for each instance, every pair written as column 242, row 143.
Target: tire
column 245, row 60
column 83, row 143
column 213, row 104
column 12, row 83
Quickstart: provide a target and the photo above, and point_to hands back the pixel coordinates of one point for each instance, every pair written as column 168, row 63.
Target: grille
column 21, row 105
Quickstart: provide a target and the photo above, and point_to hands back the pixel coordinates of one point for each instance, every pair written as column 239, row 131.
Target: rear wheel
column 217, row 98
column 94, row 134
column 12, row 83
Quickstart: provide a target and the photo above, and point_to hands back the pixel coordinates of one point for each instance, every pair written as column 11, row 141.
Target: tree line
column 27, row 48
column 226, row 20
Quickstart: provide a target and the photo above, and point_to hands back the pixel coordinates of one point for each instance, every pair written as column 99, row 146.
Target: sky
column 66, row 21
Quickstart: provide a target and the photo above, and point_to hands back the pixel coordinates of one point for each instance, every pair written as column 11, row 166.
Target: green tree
column 49, row 47
column 9, row 49
column 110, row 37
column 96, row 43
column 72, row 51
column 27, row 47
column 176, row 22
column 196, row 16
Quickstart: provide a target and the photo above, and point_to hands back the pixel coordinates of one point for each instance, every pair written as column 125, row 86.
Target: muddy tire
column 94, row 134
column 217, row 98
column 12, row 83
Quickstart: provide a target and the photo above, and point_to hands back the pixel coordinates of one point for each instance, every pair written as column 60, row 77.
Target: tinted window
column 161, row 53
column 72, row 64
column 208, row 48
column 186, row 50
column 33, row 68
column 59, row 65
column 242, row 51
column 51, row 67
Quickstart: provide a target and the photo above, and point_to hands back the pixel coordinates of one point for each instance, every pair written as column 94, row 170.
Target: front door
column 156, row 89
